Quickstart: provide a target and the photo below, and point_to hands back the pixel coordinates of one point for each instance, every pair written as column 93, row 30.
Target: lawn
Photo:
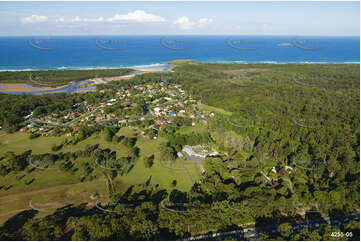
column 49, row 198
column 159, row 174
column 54, row 188
column 198, row 128
column 207, row 108
column 19, row 142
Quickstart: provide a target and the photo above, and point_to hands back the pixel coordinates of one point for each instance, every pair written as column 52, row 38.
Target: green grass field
column 207, row 108
column 19, row 142
column 54, row 188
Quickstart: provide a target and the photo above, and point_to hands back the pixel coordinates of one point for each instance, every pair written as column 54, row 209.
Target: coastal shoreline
column 158, row 66
column 91, row 83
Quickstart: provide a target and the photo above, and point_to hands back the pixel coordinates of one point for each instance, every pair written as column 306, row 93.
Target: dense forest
column 305, row 117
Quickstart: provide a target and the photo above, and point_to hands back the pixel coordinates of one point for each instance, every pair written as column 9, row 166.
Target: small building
column 214, row 153
column 157, row 110
column 282, row 172
column 274, row 170
column 189, row 150
column 274, row 183
column 24, row 129
column 28, row 116
column 158, row 120
column 288, row 168
column 31, row 125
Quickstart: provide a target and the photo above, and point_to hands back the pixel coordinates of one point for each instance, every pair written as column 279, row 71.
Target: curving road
column 252, row 233
column 182, row 169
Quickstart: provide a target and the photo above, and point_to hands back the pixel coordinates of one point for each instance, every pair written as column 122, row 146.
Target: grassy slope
column 19, row 142
column 56, row 188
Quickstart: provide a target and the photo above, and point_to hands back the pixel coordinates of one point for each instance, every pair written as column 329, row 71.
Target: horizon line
column 165, row 35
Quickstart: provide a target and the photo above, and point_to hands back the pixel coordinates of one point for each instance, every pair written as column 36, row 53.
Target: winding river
column 82, row 85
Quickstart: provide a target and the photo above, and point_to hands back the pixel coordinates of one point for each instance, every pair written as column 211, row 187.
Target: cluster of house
column 162, row 122
column 49, row 131
column 281, row 171
column 163, row 103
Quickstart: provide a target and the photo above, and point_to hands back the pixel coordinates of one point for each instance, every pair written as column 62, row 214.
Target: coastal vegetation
column 202, row 149
column 53, row 78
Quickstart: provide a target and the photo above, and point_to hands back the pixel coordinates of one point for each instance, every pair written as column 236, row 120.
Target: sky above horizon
column 180, row 18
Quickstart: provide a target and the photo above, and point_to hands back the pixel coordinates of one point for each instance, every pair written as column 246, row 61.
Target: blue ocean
column 95, row 52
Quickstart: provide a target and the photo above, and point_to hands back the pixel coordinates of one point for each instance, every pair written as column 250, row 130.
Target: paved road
column 199, row 116
column 241, row 169
column 251, row 233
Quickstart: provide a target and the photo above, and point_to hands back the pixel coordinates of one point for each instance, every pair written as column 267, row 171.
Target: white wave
column 270, row 62
column 160, row 65
column 150, row 66
column 3, row 70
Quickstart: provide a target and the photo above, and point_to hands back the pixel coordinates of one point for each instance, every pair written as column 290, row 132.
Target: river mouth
column 74, row 87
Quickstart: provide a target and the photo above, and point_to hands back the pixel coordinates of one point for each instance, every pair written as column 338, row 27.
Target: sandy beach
column 158, row 69
column 20, row 87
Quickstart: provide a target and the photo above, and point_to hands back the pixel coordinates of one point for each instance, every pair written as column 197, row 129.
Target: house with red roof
column 158, row 120
column 282, row 172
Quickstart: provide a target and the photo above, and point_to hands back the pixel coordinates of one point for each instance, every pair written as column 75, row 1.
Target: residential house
column 275, row 183
column 24, row 128
column 274, row 170
column 282, row 172
column 158, row 120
